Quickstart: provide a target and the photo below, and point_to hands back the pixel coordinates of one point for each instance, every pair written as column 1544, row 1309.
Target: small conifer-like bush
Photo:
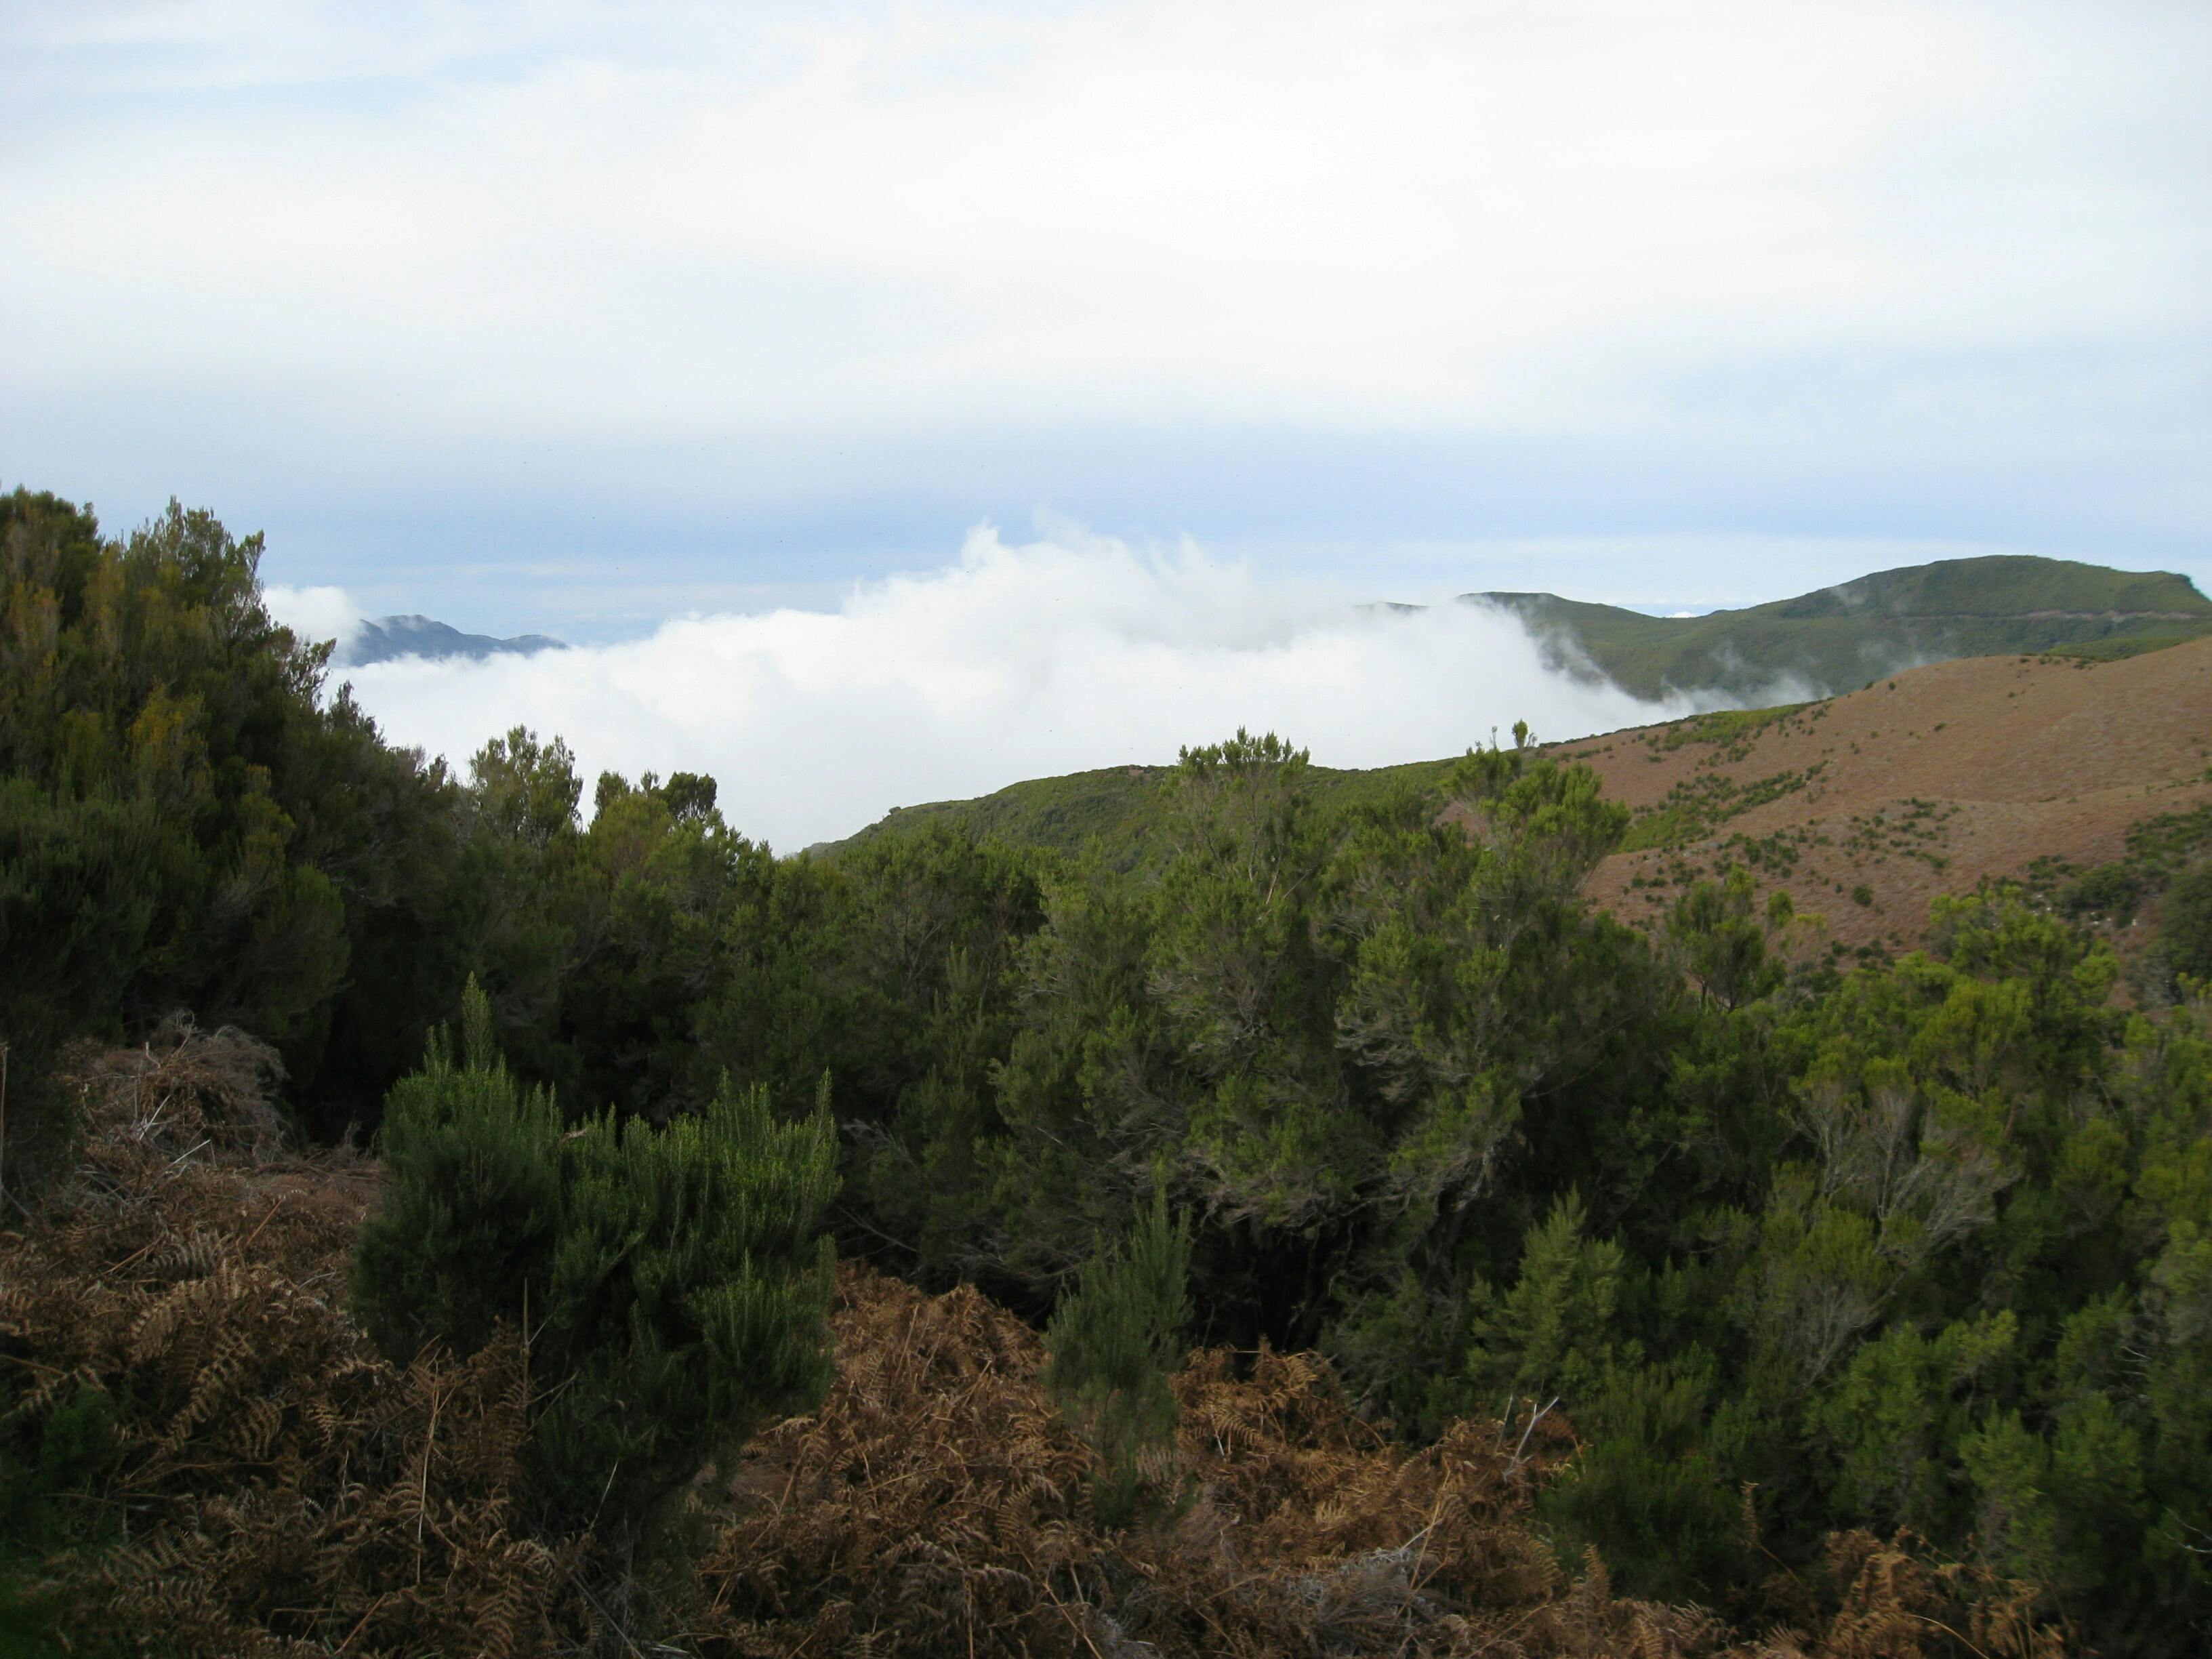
column 672, row 1282
column 1115, row 1343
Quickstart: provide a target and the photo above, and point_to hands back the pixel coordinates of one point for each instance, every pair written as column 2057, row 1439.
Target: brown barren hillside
column 1866, row 806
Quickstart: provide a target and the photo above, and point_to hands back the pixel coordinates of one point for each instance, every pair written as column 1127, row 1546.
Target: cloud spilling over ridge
column 1014, row 661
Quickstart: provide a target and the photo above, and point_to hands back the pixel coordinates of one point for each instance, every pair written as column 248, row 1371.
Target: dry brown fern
column 272, row 1486
column 934, row 1504
column 1898, row 1601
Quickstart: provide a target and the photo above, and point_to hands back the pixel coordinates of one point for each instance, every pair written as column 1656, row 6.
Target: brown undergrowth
column 260, row 1483
column 934, row 1504
column 257, row 1480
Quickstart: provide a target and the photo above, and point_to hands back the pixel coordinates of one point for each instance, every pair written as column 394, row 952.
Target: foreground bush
column 1115, row 1342
column 671, row 1282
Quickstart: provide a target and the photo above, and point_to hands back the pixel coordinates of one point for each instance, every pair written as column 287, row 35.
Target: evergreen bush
column 673, row 1281
column 1114, row 1343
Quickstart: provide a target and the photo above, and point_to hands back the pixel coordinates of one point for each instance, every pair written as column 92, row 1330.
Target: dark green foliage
column 1722, row 943
column 1646, row 1491
column 685, row 1296
column 2185, row 920
column 42, row 1508
column 185, row 823
column 673, row 1281
column 472, row 1198
column 2163, row 877
column 1329, row 1028
column 1916, row 1246
column 77, row 1446
column 1114, row 1341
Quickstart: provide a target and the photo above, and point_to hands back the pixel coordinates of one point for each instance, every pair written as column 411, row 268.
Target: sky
column 610, row 320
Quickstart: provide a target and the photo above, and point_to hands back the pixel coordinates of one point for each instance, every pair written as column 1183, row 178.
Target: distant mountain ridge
column 388, row 638
column 1838, row 639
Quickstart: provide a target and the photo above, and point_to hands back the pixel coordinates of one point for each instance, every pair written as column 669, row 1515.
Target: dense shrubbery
column 1928, row 1246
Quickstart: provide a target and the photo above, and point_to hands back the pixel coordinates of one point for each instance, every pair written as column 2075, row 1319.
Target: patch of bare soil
column 1866, row 806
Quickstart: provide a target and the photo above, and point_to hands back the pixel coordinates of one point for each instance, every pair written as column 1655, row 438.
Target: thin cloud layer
column 1015, row 661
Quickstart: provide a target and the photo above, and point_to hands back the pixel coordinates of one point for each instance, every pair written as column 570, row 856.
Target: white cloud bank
column 1013, row 662
column 314, row 613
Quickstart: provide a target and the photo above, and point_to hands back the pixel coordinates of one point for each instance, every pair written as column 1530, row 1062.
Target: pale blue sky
column 574, row 317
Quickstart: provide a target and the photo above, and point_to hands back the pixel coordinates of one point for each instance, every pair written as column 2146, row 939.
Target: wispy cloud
column 1014, row 661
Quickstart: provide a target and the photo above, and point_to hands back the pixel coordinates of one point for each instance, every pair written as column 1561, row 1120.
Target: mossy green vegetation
column 1113, row 811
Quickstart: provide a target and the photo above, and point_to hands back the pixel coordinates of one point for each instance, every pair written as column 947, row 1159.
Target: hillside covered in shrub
column 1333, row 1233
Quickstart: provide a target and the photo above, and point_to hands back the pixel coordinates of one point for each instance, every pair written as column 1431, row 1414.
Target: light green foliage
column 1897, row 1409
column 1551, row 1336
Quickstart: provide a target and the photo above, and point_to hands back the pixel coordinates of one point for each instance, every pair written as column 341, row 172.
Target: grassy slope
column 1114, row 806
column 1840, row 638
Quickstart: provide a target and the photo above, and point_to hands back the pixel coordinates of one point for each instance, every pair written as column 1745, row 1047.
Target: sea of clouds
column 1016, row 660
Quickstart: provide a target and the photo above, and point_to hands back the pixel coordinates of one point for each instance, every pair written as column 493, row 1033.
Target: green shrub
column 2185, row 921
column 1114, row 1343
column 673, row 1281
column 1645, row 1492
column 471, row 1199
